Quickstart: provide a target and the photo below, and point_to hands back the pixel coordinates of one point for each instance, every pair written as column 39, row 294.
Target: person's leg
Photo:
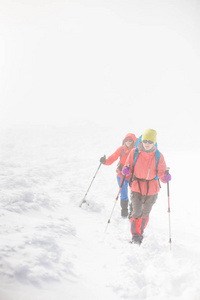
column 123, row 197
column 148, row 202
column 137, row 205
column 135, row 217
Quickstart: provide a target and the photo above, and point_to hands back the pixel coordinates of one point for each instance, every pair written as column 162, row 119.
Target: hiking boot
column 124, row 217
column 137, row 239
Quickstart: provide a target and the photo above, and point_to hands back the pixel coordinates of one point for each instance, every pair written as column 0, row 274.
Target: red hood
column 131, row 136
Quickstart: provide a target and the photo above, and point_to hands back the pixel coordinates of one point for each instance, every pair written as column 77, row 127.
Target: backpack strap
column 138, row 141
column 157, row 160
column 123, row 152
column 136, row 154
column 133, row 177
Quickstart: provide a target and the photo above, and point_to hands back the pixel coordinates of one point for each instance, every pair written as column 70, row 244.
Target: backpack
column 136, row 154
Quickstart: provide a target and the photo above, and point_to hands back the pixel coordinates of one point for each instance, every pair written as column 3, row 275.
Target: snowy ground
column 52, row 249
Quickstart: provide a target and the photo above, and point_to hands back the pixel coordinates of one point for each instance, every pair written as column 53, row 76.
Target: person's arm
column 113, row 157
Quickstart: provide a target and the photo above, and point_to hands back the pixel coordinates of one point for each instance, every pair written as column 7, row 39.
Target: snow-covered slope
column 51, row 248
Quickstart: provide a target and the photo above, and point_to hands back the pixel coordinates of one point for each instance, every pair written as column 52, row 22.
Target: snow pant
column 141, row 208
column 123, row 196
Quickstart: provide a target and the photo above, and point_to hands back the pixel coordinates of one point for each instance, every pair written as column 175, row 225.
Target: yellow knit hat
column 149, row 135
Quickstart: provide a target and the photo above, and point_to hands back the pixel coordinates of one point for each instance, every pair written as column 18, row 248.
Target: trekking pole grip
column 167, row 170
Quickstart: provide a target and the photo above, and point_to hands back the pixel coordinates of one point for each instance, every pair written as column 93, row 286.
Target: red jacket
column 122, row 151
column 145, row 168
column 112, row 158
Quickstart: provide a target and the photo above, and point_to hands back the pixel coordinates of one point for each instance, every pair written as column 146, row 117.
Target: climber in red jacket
column 122, row 152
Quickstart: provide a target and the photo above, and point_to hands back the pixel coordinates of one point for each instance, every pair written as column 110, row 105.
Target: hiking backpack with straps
column 136, row 154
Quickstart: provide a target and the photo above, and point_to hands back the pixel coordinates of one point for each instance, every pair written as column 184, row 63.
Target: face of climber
column 148, row 145
column 129, row 143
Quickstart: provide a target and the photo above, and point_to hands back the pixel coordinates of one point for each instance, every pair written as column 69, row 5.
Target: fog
column 100, row 69
column 126, row 64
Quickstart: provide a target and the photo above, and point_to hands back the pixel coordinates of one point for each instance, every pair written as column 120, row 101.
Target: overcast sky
column 110, row 62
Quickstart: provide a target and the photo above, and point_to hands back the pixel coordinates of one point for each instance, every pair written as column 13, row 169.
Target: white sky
column 113, row 62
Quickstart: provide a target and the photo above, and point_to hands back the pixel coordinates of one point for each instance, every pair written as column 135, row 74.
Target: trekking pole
column 123, row 179
column 84, row 201
column 168, row 195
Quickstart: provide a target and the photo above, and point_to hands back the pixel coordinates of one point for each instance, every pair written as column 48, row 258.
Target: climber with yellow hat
column 147, row 166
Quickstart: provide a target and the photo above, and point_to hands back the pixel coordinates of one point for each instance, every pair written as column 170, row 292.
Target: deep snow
column 129, row 65
column 52, row 249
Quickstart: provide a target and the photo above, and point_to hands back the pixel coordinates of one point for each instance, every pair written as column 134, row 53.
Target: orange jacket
column 122, row 151
column 145, row 168
column 112, row 158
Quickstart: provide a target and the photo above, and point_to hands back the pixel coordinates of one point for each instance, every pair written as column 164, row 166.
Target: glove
column 167, row 177
column 103, row 159
column 126, row 171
